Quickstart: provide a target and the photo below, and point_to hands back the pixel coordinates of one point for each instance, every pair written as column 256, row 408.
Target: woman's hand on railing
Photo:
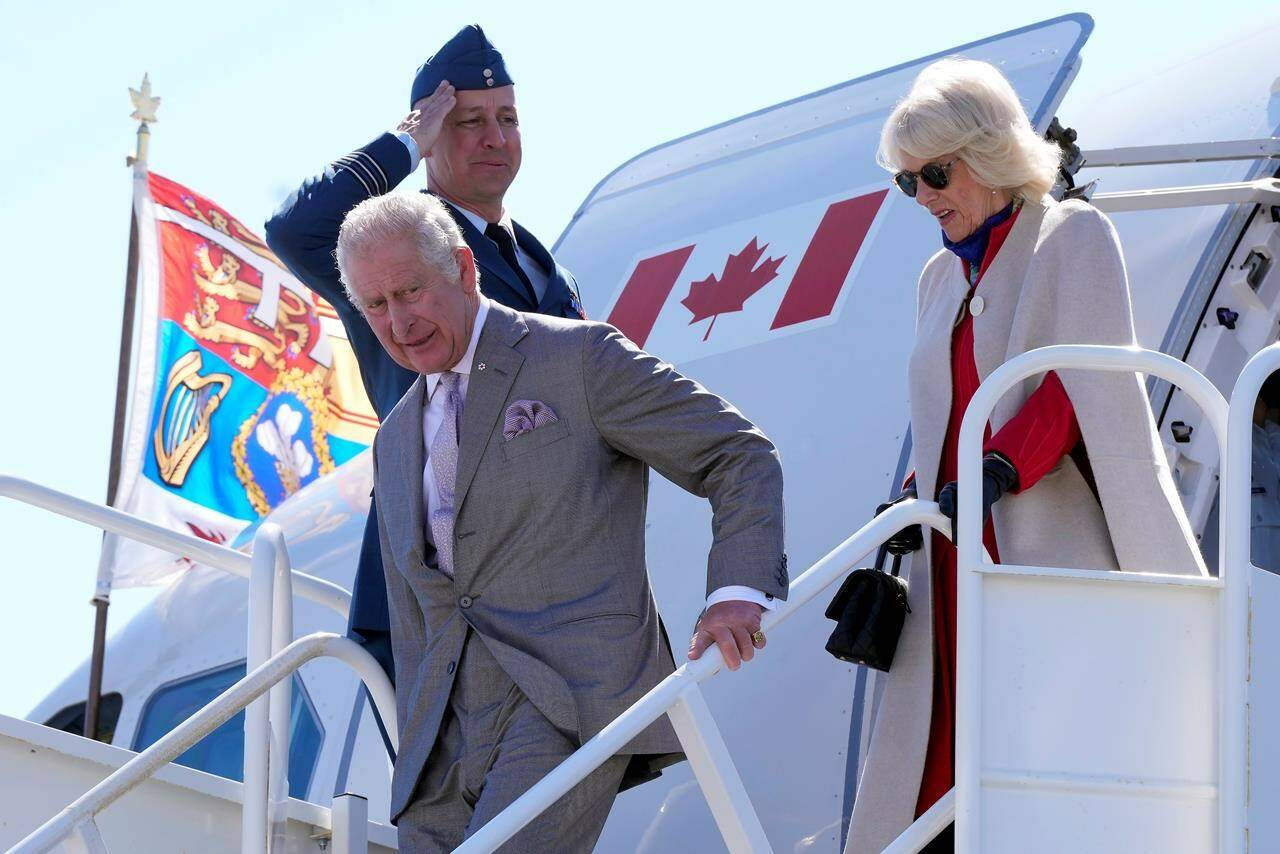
column 998, row 477
column 909, row 539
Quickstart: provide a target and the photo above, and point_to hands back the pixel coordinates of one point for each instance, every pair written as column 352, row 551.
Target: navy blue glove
column 909, row 539
column 998, row 477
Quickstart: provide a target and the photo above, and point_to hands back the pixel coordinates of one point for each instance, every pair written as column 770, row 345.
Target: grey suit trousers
column 492, row 747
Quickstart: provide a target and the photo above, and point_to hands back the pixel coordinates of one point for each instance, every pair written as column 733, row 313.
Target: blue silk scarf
column 974, row 247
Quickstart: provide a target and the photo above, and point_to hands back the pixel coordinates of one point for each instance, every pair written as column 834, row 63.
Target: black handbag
column 869, row 609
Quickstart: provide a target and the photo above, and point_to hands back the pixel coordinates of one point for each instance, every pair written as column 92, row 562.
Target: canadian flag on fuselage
column 746, row 282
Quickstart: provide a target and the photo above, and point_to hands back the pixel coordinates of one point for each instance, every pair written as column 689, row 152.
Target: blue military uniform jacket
column 304, row 233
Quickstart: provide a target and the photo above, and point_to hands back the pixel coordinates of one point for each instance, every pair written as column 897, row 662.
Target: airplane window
column 71, row 718
column 221, row 752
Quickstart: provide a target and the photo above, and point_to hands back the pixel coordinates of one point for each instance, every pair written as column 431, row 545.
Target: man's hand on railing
column 909, row 539
column 734, row 626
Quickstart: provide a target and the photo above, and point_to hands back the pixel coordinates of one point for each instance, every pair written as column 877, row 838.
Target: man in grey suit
column 511, row 482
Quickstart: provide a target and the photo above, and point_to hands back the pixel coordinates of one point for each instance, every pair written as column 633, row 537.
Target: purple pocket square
column 525, row 415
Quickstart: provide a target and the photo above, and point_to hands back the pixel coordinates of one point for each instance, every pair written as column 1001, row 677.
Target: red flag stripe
column 641, row 301
column 822, row 271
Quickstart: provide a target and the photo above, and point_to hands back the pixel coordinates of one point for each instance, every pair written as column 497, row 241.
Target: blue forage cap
column 467, row 61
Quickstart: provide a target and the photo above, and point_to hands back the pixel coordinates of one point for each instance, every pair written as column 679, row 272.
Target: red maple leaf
column 740, row 280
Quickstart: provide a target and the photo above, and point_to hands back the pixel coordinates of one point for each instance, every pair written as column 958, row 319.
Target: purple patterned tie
column 444, row 465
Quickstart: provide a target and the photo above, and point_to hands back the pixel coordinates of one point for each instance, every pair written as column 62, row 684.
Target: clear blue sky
column 257, row 95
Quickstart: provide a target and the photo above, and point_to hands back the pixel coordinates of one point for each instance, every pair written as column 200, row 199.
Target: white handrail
column 969, row 555
column 257, row 725
column 214, row 714
column 670, row 691
column 923, row 830
column 184, row 545
column 266, row 723
column 281, row 700
column 1236, row 499
column 270, row 620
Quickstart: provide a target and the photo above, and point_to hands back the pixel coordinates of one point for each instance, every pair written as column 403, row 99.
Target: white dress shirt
column 433, row 414
column 538, row 277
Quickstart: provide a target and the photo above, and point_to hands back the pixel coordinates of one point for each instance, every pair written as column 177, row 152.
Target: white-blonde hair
column 418, row 215
column 966, row 107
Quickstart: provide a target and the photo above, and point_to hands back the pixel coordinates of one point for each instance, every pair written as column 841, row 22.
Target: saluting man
column 465, row 125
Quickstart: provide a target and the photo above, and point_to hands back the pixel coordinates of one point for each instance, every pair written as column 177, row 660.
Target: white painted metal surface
column 1192, row 152
column 198, row 625
column 716, row 775
column 177, row 809
column 1263, row 823
column 281, row 696
column 267, row 719
column 209, row 718
column 923, row 830
column 266, row 743
column 85, row 839
column 1238, row 572
column 1263, row 191
column 350, row 824
column 1094, row 713
column 257, row 722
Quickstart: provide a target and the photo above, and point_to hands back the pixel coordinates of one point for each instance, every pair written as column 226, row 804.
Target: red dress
column 1034, row 440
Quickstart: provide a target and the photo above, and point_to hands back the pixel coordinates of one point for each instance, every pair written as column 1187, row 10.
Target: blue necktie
column 507, row 249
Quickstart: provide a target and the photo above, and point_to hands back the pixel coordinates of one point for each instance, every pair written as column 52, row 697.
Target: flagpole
column 144, row 111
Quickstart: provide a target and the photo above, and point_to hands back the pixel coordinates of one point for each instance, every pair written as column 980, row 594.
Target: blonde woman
column 1073, row 474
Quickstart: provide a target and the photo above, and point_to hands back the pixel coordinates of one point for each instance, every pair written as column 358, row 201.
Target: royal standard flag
column 244, row 388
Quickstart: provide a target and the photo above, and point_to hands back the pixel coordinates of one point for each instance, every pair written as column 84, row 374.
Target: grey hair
column 968, row 108
column 419, row 215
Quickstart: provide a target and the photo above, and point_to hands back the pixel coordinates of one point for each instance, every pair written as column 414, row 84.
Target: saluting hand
column 424, row 123
column 731, row 626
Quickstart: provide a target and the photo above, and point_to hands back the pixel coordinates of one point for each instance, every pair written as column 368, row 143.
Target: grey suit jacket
column 550, row 528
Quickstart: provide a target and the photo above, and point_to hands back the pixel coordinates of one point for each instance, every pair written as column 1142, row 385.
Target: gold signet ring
column 757, row 637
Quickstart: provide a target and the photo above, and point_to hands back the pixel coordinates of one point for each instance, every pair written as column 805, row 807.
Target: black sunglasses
column 936, row 175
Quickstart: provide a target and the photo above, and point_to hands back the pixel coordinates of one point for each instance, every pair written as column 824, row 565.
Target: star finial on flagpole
column 144, row 105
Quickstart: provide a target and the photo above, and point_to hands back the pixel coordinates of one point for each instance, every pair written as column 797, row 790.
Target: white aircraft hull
column 828, row 388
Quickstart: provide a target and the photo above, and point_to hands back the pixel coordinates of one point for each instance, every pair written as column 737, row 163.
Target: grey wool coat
column 549, row 531
column 1059, row 278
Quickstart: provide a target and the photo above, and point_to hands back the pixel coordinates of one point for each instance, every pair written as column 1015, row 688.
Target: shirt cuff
column 738, row 593
column 412, row 147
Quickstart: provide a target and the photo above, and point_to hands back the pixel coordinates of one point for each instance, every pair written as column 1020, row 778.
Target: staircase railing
column 680, row 698
column 1237, row 519
column 271, row 586
column 78, row 819
column 679, row 695
column 923, row 830
column 149, row 533
column 1232, row 603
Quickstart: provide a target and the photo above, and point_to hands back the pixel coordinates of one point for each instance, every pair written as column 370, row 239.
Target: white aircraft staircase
column 1097, row 711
